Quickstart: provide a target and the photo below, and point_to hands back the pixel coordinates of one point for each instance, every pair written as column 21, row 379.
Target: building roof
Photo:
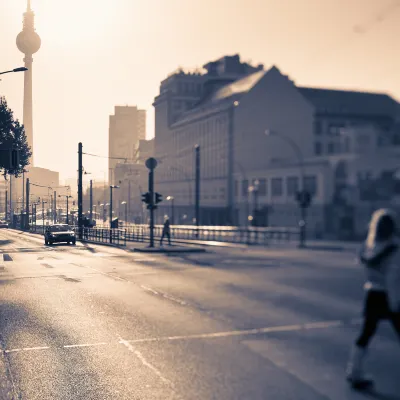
column 350, row 102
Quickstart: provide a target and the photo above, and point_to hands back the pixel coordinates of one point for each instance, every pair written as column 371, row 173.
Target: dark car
column 58, row 233
column 3, row 224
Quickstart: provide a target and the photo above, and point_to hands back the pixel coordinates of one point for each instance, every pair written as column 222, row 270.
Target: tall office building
column 28, row 42
column 127, row 127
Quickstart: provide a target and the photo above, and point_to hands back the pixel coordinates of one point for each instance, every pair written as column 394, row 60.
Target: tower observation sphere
column 28, row 42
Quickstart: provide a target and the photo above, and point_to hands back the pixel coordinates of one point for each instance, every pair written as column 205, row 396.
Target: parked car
column 58, row 233
column 3, row 224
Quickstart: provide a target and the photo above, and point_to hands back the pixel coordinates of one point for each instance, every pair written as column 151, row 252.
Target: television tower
column 28, row 42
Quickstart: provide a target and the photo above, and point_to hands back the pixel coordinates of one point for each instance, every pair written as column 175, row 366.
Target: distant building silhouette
column 145, row 150
column 228, row 108
column 127, row 127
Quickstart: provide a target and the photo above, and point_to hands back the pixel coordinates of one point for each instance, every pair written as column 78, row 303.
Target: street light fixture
column 19, row 69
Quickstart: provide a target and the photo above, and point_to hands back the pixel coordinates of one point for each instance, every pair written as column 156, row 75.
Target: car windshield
column 59, row 228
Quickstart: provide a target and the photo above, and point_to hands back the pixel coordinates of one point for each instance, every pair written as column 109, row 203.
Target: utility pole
column 6, row 205
column 55, row 207
column 27, row 205
column 80, row 190
column 197, row 188
column 129, row 202
column 11, row 211
column 91, row 200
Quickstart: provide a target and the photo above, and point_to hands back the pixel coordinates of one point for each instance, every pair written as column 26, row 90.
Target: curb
column 172, row 250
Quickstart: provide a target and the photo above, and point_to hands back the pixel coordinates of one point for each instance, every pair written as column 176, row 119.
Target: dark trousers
column 376, row 309
column 168, row 235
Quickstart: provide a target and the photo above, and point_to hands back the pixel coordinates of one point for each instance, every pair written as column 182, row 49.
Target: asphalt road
column 93, row 322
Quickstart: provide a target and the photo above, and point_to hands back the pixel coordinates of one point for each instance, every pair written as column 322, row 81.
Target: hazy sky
column 99, row 53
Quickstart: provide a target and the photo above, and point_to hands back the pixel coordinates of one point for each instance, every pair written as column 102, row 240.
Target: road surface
column 96, row 322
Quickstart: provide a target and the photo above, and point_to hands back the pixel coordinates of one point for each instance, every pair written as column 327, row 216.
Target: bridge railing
column 141, row 233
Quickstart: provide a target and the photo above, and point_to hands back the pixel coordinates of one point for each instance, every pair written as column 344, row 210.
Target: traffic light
column 159, row 198
column 303, row 198
column 146, row 198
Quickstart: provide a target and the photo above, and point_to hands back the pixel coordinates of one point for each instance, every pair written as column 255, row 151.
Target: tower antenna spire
column 29, row 6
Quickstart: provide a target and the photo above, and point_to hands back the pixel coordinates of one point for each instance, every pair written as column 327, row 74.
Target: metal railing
column 141, row 233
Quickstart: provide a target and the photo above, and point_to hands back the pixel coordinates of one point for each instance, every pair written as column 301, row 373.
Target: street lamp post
column 111, row 201
column 171, row 198
column 126, row 211
column 43, row 203
column 67, row 197
column 297, row 150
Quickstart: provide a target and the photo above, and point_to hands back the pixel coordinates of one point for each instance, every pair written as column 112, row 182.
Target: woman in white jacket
column 380, row 255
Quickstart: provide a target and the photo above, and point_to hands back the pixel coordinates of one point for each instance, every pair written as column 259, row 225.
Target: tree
column 12, row 136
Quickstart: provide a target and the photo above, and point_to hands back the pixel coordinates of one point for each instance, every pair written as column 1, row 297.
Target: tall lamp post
column 124, row 203
column 111, row 201
column 43, row 203
column 254, row 189
column 171, row 198
column 302, row 196
column 67, row 197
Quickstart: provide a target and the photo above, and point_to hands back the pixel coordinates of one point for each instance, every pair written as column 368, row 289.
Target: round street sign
column 151, row 163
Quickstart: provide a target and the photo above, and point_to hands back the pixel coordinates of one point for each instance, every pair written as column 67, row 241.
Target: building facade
column 126, row 128
column 256, row 124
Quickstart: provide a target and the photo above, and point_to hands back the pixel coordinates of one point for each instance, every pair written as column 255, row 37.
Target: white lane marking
column 84, row 345
column 27, row 349
column 143, row 360
column 284, row 328
column 167, row 296
column 257, row 331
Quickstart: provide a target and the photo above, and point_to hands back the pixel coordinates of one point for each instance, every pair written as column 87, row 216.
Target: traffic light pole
column 151, row 191
column 27, row 205
column 80, row 191
column 197, row 188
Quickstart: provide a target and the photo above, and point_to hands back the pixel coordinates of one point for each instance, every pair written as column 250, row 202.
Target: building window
column 310, row 185
column 276, row 187
column 317, row 148
column 335, row 129
column 331, row 148
column 245, row 187
column 292, row 185
column 318, row 127
column 262, row 186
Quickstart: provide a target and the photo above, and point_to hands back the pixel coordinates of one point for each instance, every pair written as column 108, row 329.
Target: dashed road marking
column 244, row 332
column 140, row 356
column 85, row 345
column 167, row 296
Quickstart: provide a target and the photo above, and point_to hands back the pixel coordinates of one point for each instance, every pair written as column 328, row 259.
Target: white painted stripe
column 12, row 350
column 167, row 296
column 35, row 348
column 84, row 345
column 144, row 361
column 257, row 331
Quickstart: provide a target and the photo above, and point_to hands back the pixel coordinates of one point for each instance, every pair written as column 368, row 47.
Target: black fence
column 187, row 234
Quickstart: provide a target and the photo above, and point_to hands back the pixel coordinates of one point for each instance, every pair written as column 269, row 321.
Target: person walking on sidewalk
column 380, row 255
column 166, row 230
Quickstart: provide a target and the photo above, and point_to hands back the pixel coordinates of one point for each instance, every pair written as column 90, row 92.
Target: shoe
column 355, row 371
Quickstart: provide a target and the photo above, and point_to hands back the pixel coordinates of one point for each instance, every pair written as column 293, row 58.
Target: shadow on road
column 5, row 242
